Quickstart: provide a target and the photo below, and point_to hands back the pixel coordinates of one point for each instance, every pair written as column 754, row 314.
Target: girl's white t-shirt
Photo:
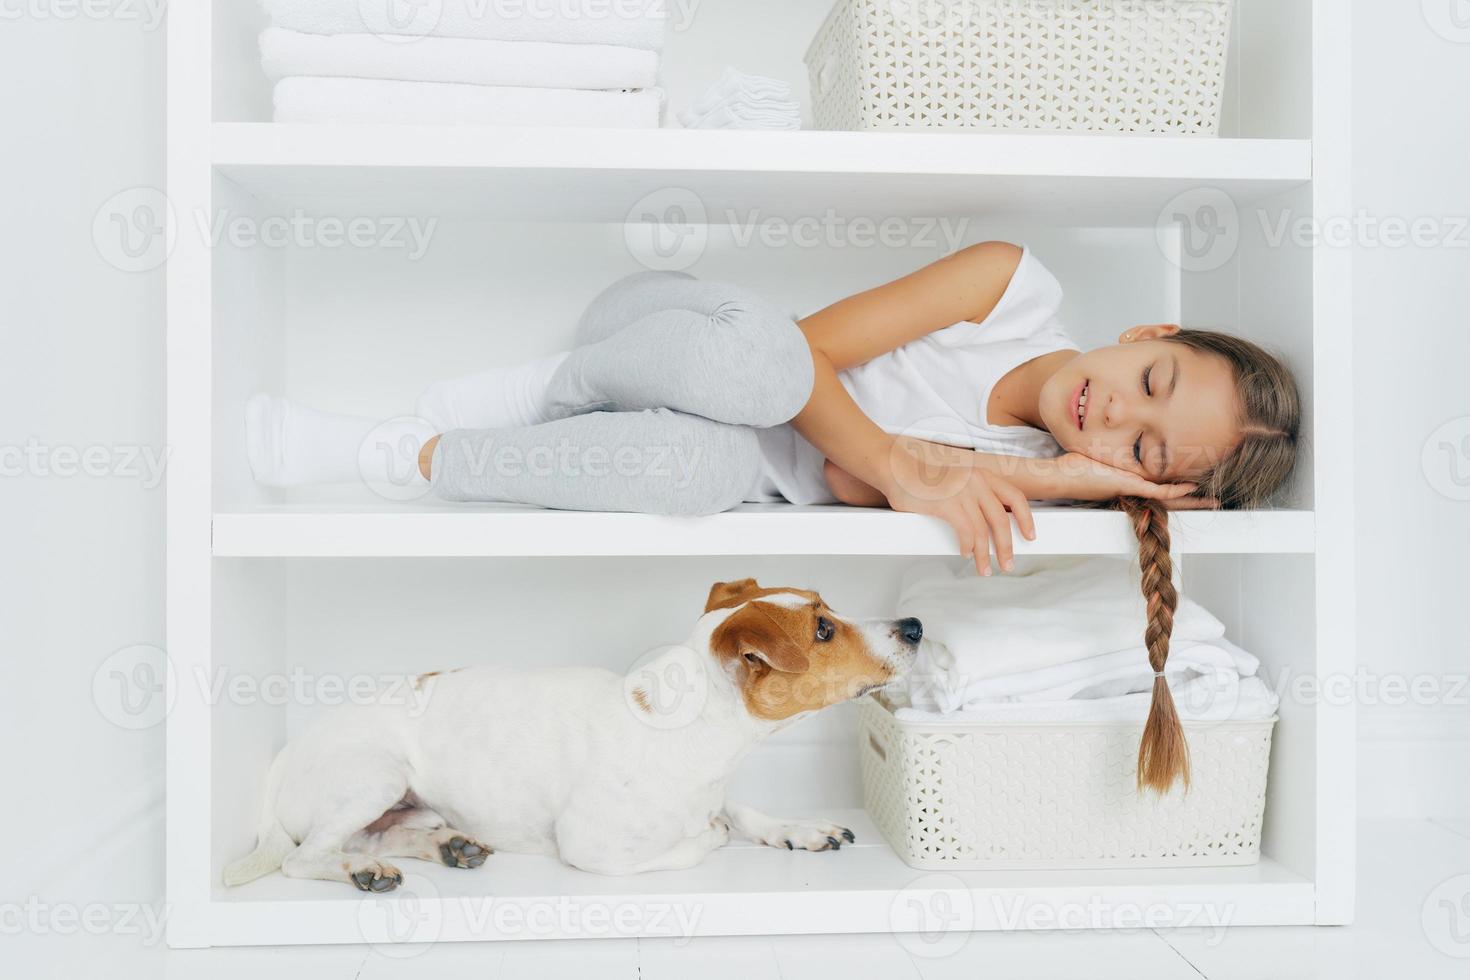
column 936, row 388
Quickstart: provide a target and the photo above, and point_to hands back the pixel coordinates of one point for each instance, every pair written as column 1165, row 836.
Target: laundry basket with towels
column 1113, row 66
column 1050, row 795
column 1014, row 742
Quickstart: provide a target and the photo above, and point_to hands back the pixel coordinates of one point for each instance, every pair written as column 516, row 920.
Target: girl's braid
column 1163, row 753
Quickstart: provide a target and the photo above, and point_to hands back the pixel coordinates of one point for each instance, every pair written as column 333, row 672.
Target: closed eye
column 1162, row 455
column 1147, row 387
column 825, row 629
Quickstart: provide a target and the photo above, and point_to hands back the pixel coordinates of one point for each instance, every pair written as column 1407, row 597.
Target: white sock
column 499, row 398
column 291, row 445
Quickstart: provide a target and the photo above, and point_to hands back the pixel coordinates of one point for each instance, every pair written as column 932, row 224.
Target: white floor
column 1413, row 922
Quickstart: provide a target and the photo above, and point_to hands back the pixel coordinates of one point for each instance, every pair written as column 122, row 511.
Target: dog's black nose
column 911, row 630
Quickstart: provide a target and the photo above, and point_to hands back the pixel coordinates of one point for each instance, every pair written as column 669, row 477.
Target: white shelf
column 596, row 175
column 435, row 530
column 242, row 319
column 743, row 889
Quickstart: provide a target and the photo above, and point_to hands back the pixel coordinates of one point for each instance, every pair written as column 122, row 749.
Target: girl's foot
column 291, row 445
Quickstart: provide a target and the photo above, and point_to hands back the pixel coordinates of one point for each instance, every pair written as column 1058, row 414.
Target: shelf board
column 424, row 529
column 549, row 174
column 744, row 889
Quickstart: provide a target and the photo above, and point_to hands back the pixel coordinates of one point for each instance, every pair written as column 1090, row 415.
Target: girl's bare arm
column 963, row 286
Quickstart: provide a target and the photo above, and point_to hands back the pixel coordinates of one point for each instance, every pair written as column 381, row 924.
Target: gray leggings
column 654, row 412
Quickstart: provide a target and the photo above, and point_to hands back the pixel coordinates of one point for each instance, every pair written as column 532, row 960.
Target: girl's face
column 1152, row 407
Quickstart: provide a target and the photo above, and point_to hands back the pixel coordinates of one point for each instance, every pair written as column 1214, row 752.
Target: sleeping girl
column 953, row 391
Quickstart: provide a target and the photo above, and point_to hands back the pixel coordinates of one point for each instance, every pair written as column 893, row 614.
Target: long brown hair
column 1270, row 420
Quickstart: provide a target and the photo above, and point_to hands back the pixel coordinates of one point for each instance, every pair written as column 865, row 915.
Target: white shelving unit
column 438, row 531
column 594, row 175
column 528, row 224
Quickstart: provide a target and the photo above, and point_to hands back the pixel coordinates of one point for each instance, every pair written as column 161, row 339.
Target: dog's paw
column 374, row 876
column 463, row 852
column 802, row 835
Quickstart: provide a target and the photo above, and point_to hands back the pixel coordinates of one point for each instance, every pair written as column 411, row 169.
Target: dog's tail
column 271, row 849
column 272, row 843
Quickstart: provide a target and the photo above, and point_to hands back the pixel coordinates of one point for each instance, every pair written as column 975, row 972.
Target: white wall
column 1411, row 149
column 81, row 369
column 82, row 366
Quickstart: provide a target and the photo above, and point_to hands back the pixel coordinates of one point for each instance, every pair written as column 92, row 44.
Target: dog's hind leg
column 415, row 831
column 343, row 802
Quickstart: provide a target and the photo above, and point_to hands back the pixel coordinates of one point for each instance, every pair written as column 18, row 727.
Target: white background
column 82, row 365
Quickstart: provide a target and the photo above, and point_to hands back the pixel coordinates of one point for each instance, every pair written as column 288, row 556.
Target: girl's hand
column 949, row 483
column 1075, row 476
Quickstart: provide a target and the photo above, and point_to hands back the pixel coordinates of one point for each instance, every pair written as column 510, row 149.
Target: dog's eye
column 825, row 629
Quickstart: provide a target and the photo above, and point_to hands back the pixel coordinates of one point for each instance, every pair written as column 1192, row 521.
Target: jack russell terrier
column 575, row 762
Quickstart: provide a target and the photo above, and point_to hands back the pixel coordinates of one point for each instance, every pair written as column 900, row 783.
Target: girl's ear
column 1149, row 331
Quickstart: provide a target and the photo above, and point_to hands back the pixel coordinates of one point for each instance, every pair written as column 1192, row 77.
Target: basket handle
column 822, row 77
column 877, row 746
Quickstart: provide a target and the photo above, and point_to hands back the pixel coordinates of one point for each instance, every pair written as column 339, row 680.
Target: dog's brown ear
column 723, row 595
column 764, row 631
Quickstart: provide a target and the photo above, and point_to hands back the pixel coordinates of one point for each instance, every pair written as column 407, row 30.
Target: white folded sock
column 499, row 398
column 734, row 82
column 741, row 101
column 748, row 103
column 742, row 117
column 291, row 445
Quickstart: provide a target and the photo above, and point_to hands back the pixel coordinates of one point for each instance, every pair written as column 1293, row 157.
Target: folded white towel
column 632, row 23
column 1212, row 697
column 534, row 64
column 939, row 682
column 1046, row 612
column 361, row 100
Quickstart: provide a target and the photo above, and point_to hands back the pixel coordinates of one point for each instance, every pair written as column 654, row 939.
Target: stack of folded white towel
column 537, row 62
column 741, row 101
column 1062, row 640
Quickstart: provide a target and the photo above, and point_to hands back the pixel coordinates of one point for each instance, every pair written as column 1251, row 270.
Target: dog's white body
column 576, row 762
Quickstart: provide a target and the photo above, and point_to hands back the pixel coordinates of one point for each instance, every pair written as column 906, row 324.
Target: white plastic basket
column 1108, row 66
column 1060, row 795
